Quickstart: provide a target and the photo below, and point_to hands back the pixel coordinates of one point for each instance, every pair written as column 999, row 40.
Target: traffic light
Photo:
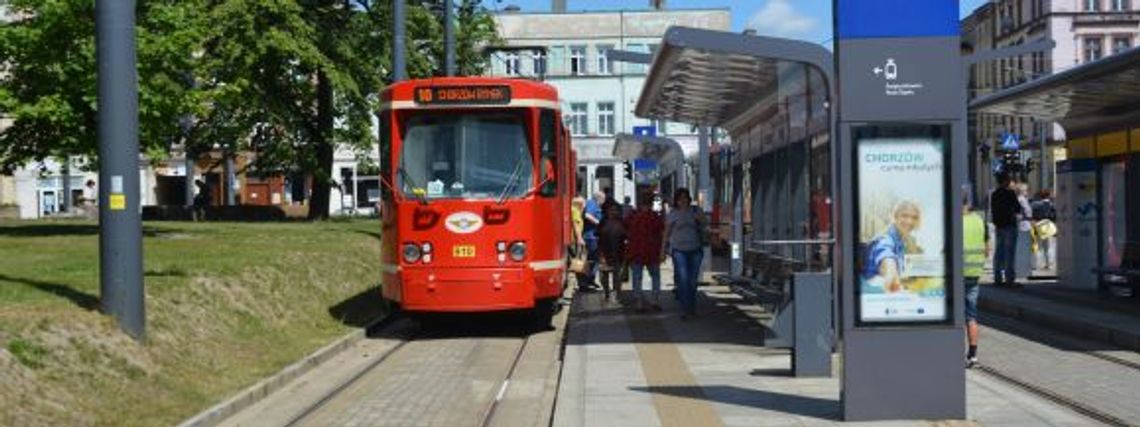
column 628, row 167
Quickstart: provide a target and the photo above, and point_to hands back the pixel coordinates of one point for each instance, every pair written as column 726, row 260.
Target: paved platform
column 627, row 369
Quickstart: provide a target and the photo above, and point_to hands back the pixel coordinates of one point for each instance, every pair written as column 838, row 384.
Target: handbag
column 578, row 265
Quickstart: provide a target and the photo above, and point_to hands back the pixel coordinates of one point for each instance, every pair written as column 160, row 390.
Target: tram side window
column 549, row 150
column 385, row 154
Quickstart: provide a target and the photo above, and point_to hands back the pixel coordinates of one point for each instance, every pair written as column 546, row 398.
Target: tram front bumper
column 467, row 289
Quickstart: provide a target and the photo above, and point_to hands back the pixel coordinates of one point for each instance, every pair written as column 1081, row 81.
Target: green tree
column 49, row 92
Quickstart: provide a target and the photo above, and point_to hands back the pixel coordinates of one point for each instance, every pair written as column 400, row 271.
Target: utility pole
column 120, row 225
column 400, row 68
column 449, row 37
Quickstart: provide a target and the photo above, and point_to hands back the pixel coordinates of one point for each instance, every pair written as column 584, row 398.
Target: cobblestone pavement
column 1072, row 368
column 627, row 369
column 445, row 375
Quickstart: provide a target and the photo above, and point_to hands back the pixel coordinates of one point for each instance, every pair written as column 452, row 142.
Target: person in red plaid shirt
column 645, row 229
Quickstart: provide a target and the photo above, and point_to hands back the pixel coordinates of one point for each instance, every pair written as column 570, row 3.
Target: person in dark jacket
column 612, row 251
column 1005, row 213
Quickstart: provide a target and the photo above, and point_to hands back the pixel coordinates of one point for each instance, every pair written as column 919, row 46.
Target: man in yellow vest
column 974, row 248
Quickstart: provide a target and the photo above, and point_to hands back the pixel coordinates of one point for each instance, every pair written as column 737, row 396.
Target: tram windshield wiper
column 512, row 180
column 409, row 181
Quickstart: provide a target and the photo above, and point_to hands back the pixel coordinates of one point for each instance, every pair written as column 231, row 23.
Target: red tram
column 478, row 178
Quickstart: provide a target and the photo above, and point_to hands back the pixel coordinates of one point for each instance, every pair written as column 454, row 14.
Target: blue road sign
column 1011, row 142
column 865, row 19
column 645, row 130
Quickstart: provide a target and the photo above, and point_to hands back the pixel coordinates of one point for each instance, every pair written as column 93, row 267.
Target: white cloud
column 780, row 19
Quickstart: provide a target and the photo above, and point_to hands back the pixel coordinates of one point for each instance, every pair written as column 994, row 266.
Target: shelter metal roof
column 1094, row 96
column 665, row 151
column 709, row 78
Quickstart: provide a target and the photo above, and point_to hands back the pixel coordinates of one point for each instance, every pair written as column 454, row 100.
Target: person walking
column 1004, row 212
column 1023, row 261
column 683, row 228
column 592, row 218
column 1045, row 229
column 612, row 252
column 646, row 250
column 974, row 248
column 578, row 247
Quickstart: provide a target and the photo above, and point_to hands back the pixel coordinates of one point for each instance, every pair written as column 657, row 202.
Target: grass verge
column 227, row 304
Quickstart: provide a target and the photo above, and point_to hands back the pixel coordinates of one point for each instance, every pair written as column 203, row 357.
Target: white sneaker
column 971, row 362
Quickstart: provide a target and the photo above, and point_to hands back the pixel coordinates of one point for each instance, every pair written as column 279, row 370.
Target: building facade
column 598, row 94
column 1083, row 30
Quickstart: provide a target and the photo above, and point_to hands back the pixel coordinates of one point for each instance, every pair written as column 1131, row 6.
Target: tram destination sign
column 469, row 94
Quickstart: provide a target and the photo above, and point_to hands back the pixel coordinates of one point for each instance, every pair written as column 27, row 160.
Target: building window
column 577, row 60
column 662, row 127
column 1093, row 48
column 1092, row 5
column 1121, row 44
column 512, row 64
column 606, row 118
column 1121, row 5
column 604, row 64
column 539, row 63
column 579, row 119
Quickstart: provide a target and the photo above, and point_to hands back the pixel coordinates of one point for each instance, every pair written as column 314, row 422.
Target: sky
column 808, row 20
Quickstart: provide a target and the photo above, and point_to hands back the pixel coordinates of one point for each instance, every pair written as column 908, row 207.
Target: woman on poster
column 885, row 259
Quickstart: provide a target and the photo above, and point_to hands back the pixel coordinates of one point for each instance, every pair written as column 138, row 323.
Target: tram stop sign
column 902, row 100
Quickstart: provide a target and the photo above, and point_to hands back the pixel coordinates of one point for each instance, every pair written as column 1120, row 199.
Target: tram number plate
column 463, row 251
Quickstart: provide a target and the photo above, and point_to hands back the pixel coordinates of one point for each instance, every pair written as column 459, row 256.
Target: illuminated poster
column 901, row 264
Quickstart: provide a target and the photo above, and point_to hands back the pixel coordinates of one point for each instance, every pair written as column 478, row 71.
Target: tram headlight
column 411, row 252
column 517, row 251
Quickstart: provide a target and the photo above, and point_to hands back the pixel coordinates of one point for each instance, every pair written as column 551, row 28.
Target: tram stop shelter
column 1098, row 185
column 771, row 192
column 770, row 188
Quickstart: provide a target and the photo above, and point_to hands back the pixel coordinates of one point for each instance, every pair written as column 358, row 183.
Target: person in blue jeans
column 592, row 217
column 1005, row 213
column 683, row 237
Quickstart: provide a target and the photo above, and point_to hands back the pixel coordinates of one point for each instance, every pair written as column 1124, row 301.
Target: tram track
column 469, row 347
column 310, row 409
column 1062, row 353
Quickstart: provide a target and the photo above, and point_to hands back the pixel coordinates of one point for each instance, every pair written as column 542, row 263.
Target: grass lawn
column 227, row 304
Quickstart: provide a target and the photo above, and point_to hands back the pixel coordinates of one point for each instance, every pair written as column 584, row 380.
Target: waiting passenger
column 646, row 250
column 612, row 252
column 683, row 232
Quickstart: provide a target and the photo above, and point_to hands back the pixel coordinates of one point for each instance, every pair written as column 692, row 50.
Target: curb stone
column 1071, row 326
column 262, row 389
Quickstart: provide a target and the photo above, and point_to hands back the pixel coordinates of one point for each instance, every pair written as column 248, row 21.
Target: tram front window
column 468, row 156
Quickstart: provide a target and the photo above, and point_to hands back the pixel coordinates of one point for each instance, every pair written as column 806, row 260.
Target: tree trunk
column 323, row 145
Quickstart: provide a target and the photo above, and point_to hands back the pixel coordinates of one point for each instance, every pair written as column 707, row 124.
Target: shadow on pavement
column 361, row 310
column 722, row 317
column 791, row 404
column 82, row 299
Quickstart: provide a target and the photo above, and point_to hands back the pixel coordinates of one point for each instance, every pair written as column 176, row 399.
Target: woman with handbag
column 684, row 234
column 578, row 246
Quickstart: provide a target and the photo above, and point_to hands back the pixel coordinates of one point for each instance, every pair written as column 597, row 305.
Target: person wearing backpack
column 612, row 251
column 685, row 234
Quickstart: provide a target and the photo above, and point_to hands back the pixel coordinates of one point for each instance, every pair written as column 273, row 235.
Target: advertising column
column 902, row 160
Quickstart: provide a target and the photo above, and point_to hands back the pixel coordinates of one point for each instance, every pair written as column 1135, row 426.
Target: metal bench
column 1128, row 274
column 799, row 303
